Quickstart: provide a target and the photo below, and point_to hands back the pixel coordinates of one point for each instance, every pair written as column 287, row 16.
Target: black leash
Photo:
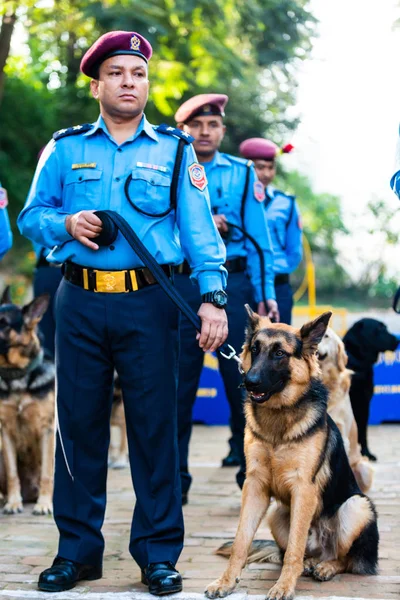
column 260, row 256
column 112, row 223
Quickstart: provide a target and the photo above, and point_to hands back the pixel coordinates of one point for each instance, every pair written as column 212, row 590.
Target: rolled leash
column 112, row 223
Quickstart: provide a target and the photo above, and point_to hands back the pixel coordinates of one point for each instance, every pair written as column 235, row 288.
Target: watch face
column 220, row 298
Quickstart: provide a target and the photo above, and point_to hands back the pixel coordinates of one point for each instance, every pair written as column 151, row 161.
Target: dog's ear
column 34, row 311
column 6, row 297
column 313, row 332
column 342, row 358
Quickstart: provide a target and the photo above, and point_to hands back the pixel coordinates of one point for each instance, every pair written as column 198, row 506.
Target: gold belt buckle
column 110, row 281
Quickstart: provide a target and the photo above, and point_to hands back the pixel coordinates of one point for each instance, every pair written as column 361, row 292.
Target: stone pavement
column 28, row 543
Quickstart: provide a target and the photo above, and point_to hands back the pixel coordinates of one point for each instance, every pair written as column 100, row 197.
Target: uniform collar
column 270, row 191
column 219, row 160
column 144, row 127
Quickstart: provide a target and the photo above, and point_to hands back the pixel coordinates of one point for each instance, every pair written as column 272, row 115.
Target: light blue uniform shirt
column 226, row 177
column 285, row 230
column 58, row 190
column 6, row 237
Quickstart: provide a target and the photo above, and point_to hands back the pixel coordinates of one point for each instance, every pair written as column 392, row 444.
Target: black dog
column 363, row 342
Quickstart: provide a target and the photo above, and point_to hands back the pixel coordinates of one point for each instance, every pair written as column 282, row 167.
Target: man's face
column 123, row 86
column 266, row 170
column 208, row 133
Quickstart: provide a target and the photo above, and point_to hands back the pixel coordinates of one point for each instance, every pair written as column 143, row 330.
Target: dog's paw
column 43, row 506
column 280, row 591
column 308, row 566
column 324, row 571
column 120, row 462
column 13, row 506
column 221, row 587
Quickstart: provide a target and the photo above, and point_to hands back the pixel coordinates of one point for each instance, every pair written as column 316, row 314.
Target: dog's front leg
column 302, row 508
column 44, row 504
column 255, row 502
column 14, row 498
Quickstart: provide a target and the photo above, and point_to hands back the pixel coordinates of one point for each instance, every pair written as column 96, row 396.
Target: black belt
column 281, row 278
column 98, row 280
column 233, row 265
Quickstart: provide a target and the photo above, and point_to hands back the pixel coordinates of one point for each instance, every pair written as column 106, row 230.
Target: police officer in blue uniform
column 6, row 237
column 112, row 314
column 235, row 198
column 283, row 219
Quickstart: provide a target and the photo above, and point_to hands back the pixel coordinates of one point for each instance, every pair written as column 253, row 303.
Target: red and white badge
column 197, row 176
column 259, row 192
column 3, row 198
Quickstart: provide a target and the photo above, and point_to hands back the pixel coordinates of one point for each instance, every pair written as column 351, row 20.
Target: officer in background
column 235, row 198
column 283, row 220
column 6, row 237
column 111, row 313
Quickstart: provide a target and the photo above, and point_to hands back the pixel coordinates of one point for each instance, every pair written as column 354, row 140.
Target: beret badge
column 135, row 43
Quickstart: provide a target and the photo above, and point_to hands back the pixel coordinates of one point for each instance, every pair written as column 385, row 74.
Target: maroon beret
column 201, row 105
column 254, row 148
column 114, row 43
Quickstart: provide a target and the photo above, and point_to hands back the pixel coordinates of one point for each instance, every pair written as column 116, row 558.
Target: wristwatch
column 218, row 298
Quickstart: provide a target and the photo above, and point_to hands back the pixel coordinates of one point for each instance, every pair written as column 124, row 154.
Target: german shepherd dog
column 321, row 522
column 26, row 408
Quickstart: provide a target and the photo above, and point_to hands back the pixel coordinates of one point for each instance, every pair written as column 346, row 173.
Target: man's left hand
column 271, row 310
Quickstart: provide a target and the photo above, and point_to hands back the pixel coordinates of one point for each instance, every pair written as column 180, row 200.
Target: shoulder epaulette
column 174, row 131
column 72, row 131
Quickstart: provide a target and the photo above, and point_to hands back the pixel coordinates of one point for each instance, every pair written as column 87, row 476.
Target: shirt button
column 117, row 178
column 112, row 247
column 119, row 149
column 80, row 178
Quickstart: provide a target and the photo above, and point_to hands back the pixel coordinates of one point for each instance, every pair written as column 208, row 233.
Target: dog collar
column 15, row 373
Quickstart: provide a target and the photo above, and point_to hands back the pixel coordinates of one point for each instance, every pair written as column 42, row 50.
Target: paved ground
column 28, row 543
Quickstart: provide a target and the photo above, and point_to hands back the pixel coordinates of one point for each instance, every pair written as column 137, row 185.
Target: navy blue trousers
column 191, row 362
column 284, row 298
column 137, row 334
column 46, row 281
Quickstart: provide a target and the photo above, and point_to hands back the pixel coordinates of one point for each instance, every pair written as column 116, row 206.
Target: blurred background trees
column 248, row 49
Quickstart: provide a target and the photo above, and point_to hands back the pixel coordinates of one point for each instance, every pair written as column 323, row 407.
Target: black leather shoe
column 162, row 578
column 64, row 574
column 232, row 460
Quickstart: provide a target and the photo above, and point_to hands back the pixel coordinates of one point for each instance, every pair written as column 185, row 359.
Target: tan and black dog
column 321, row 522
column 26, row 408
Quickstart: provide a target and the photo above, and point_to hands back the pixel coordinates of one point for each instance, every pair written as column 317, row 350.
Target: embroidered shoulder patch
column 3, row 198
column 197, row 176
column 61, row 133
column 259, row 192
column 163, row 128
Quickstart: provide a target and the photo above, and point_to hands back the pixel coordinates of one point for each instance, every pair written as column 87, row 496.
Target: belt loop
column 134, row 282
column 85, row 279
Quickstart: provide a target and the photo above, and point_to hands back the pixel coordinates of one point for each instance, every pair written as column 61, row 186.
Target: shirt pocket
column 83, row 190
column 149, row 191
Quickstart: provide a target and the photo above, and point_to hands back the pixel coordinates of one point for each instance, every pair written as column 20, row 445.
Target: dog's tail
column 364, row 474
column 261, row 551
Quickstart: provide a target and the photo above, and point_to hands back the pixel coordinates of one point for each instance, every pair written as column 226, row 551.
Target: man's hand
column 220, row 221
column 271, row 311
column 214, row 327
column 83, row 226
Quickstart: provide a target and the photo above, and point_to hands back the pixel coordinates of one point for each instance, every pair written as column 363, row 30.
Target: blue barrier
column 212, row 408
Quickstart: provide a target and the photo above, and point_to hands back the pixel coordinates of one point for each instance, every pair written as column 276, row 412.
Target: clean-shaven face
column 208, row 133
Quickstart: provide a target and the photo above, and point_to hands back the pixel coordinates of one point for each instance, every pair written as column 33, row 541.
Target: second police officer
column 236, row 197
column 283, row 218
column 112, row 314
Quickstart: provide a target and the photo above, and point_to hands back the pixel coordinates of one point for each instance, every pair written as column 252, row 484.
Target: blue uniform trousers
column 191, row 361
column 284, row 298
column 46, row 280
column 137, row 333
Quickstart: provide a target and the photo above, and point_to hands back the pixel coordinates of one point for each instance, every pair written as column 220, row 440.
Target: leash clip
column 232, row 354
